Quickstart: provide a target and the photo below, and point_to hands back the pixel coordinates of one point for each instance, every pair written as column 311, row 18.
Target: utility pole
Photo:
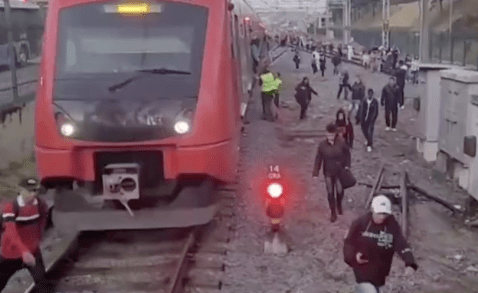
column 450, row 30
column 386, row 24
column 424, row 32
column 11, row 51
column 346, row 20
column 315, row 27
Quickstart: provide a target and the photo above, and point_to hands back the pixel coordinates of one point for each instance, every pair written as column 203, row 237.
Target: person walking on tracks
column 315, row 61
column 296, row 59
column 278, row 88
column 322, row 62
column 401, row 76
column 368, row 116
column 268, row 83
column 334, row 154
column 358, row 94
column 391, row 99
column 345, row 127
column 24, row 220
column 344, row 85
column 370, row 244
column 336, row 60
column 303, row 96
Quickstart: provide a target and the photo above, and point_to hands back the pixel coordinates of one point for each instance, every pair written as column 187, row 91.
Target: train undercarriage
column 131, row 193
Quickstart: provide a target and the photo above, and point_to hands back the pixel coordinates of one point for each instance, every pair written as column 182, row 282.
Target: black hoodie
column 377, row 243
column 345, row 127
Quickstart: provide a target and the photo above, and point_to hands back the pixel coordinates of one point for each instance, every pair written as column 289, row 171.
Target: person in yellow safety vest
column 278, row 89
column 269, row 84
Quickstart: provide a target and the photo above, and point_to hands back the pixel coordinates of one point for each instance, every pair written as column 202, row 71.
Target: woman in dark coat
column 322, row 61
column 303, row 95
column 345, row 127
column 334, row 153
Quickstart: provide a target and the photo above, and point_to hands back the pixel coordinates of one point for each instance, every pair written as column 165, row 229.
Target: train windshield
column 101, row 45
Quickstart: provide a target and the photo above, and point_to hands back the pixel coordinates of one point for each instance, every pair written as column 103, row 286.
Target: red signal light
column 275, row 190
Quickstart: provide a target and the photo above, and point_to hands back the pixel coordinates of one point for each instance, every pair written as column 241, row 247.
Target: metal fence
column 460, row 49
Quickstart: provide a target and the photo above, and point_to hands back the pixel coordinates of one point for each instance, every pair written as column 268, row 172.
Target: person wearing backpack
column 23, row 222
column 303, row 95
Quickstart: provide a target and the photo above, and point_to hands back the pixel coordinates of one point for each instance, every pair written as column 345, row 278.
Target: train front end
column 135, row 115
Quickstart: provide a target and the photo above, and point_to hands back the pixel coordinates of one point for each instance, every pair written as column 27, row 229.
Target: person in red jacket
column 24, row 220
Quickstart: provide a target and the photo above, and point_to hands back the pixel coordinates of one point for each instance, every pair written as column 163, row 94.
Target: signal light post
column 11, row 51
column 275, row 211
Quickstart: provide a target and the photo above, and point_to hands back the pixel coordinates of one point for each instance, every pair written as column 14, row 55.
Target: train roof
column 17, row 4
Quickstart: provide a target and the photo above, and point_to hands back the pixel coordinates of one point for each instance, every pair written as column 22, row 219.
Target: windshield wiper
column 164, row 71
column 161, row 71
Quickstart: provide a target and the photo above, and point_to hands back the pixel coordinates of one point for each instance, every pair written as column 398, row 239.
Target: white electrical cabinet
column 428, row 107
column 459, row 128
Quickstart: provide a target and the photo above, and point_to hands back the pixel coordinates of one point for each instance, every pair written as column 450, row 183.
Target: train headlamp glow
column 275, row 190
column 181, row 127
column 67, row 129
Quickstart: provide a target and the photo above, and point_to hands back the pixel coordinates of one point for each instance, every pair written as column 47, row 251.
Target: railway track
column 166, row 260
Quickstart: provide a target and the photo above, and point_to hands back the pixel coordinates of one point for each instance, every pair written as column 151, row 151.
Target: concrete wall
column 16, row 135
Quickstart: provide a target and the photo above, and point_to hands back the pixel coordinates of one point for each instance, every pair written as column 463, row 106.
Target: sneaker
column 394, row 129
column 369, row 149
column 387, row 128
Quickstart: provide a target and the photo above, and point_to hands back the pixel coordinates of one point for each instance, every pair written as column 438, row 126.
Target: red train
column 138, row 111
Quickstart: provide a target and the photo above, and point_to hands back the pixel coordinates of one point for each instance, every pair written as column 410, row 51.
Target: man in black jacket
column 391, row 100
column 401, row 75
column 344, row 85
column 334, row 154
column 368, row 116
column 303, row 96
column 371, row 243
column 358, row 94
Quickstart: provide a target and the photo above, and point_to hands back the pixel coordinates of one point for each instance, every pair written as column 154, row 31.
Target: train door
column 242, row 55
column 248, row 72
column 238, row 39
column 236, row 72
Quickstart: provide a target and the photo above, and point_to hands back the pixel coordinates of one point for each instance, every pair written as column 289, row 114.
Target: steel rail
column 181, row 267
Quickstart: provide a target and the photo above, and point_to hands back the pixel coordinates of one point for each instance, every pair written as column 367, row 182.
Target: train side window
column 241, row 29
column 237, row 41
column 233, row 38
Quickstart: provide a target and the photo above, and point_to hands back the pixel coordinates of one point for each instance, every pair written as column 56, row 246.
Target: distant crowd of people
column 374, row 237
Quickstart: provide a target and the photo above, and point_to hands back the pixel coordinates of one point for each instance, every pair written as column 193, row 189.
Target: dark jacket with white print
column 377, row 243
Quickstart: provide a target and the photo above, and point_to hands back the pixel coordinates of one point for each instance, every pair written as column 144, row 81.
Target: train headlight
column 275, row 190
column 67, row 129
column 181, row 127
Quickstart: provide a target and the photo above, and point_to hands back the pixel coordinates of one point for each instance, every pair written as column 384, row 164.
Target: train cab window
column 104, row 45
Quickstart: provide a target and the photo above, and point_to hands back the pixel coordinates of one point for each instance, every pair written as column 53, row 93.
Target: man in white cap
column 371, row 243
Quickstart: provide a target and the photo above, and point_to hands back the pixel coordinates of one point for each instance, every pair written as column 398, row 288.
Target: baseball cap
column 381, row 204
column 30, row 184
